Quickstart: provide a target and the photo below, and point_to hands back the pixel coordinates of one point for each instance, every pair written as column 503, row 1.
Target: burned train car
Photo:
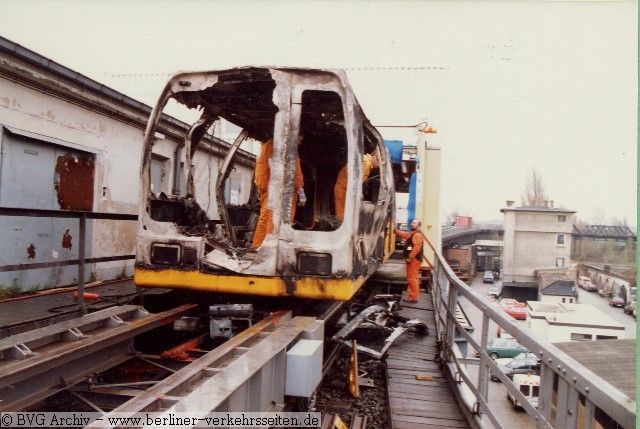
column 313, row 121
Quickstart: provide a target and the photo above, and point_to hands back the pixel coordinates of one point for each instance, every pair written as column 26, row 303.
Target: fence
column 571, row 396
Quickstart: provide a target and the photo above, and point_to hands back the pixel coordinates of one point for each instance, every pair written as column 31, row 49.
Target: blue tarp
column 395, row 150
column 411, row 204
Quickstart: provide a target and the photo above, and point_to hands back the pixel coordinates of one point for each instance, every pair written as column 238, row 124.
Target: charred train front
column 200, row 206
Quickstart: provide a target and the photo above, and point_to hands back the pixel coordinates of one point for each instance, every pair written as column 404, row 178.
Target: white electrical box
column 304, row 368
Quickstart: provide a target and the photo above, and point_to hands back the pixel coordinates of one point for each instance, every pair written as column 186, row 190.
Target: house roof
column 598, row 356
column 561, row 287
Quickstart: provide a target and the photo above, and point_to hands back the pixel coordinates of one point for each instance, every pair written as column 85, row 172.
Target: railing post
column 567, row 406
column 483, row 370
column 81, row 257
column 451, row 314
column 547, row 378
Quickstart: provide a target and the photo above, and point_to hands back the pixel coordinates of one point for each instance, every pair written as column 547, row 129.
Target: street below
column 500, row 405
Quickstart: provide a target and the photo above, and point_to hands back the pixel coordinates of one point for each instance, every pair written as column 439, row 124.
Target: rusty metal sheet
column 74, row 188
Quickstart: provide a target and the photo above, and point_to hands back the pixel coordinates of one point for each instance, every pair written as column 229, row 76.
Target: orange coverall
column 263, row 175
column 340, row 188
column 413, row 267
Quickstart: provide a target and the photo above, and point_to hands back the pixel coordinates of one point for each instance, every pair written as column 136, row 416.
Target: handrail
column 578, row 391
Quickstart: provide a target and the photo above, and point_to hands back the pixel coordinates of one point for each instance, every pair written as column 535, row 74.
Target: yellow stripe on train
column 306, row 287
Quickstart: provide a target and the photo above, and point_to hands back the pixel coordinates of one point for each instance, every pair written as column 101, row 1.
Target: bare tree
column 598, row 216
column 535, row 193
column 616, row 221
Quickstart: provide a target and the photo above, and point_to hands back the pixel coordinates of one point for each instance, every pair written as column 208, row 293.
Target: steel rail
column 33, row 364
column 219, row 376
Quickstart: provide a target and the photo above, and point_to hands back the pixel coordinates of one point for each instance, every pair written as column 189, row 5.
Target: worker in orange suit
column 369, row 161
column 262, row 178
column 413, row 256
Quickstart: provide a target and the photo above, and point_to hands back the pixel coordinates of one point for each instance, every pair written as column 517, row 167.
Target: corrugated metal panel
column 39, row 175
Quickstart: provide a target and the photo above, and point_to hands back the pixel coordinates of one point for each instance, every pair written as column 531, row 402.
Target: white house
column 535, row 237
column 560, row 322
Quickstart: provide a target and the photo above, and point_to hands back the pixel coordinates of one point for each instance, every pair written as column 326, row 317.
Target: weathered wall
column 530, row 243
column 115, row 176
column 607, row 282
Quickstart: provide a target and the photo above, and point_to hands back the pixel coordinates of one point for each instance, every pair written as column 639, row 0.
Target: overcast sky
column 510, row 86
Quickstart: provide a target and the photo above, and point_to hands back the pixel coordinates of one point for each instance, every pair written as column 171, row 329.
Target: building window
column 606, row 337
column 562, row 218
column 580, row 337
column 559, row 262
column 560, row 239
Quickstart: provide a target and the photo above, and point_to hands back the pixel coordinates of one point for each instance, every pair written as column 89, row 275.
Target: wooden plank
column 429, row 421
column 416, row 366
column 411, row 354
column 403, row 370
column 418, row 377
column 413, row 384
column 403, row 406
column 417, row 344
column 446, row 414
column 406, row 396
column 427, row 350
column 430, row 392
column 414, row 403
column 404, row 425
column 421, row 376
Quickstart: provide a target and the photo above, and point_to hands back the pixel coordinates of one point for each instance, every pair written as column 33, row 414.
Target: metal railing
column 82, row 217
column 570, row 393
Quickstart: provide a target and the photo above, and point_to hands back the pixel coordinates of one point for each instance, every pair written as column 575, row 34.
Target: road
column 518, row 419
column 500, row 405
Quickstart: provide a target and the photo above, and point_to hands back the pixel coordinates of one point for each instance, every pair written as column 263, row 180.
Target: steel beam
column 246, row 373
column 38, row 364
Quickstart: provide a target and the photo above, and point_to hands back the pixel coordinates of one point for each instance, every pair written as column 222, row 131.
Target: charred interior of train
column 316, row 127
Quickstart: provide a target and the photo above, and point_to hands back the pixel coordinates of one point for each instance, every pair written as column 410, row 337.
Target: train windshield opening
column 208, row 180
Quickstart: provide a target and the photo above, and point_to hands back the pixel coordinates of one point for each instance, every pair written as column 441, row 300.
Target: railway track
column 124, row 359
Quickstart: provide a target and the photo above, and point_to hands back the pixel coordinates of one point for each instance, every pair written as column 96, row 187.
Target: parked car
column 510, row 302
column 616, row 301
column 529, row 386
column 495, row 290
column 630, row 308
column 590, row 287
column 585, row 283
column 504, row 348
column 487, row 277
column 516, row 312
column 524, row 363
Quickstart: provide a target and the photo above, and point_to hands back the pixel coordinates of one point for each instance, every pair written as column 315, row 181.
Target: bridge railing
column 571, row 396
